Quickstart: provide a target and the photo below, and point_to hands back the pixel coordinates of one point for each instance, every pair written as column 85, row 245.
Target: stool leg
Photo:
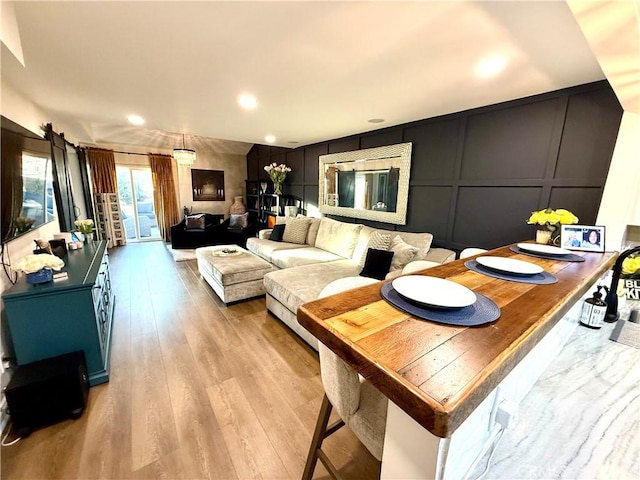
column 318, row 437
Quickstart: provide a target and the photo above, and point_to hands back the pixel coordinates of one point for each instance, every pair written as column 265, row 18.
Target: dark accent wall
column 477, row 175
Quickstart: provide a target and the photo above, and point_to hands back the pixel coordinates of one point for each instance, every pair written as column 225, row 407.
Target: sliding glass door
column 135, row 190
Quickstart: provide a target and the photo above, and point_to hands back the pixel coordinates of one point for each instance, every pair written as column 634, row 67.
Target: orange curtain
column 103, row 170
column 164, row 193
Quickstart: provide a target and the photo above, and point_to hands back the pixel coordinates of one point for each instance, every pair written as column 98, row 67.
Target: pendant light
column 184, row 156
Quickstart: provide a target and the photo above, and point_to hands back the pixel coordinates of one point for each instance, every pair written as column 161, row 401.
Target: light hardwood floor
column 198, row 390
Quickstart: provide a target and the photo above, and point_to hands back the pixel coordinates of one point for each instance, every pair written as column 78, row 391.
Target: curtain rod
column 133, row 153
column 128, row 153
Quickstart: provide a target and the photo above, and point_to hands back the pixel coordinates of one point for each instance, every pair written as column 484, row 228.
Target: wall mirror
column 372, row 184
column 27, row 194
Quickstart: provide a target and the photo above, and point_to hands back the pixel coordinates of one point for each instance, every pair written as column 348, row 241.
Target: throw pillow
column 276, row 233
column 239, row 221
column 295, row 230
column 422, row 241
column 312, row 234
column 195, row 222
column 338, row 237
column 377, row 264
column 377, row 241
column 403, row 253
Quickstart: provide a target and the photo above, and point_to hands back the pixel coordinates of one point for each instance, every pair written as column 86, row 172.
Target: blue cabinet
column 62, row 316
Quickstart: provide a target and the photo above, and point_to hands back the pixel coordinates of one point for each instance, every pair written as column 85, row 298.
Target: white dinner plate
column 509, row 265
column 546, row 249
column 433, row 291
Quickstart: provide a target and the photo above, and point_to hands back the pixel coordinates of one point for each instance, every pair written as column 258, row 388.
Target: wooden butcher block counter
column 438, row 374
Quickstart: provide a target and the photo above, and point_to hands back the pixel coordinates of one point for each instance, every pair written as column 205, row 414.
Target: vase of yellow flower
column 551, row 220
column 277, row 174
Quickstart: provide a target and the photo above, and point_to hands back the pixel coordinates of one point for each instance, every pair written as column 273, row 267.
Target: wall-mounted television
column 26, row 177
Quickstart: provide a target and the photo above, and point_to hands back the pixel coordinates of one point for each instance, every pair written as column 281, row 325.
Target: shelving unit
column 265, row 204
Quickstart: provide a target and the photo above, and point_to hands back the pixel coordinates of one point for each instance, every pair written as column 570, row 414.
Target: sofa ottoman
column 233, row 272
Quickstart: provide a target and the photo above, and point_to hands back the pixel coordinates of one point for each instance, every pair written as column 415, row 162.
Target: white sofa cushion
column 338, row 237
column 360, row 250
column 294, row 286
column 264, row 248
column 312, row 234
column 302, row 256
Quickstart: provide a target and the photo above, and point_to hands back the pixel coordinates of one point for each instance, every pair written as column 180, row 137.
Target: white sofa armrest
column 265, row 234
column 440, row 255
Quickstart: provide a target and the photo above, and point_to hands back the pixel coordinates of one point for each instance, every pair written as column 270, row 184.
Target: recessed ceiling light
column 270, row 139
column 376, row 120
column 136, row 119
column 490, row 66
column 248, row 102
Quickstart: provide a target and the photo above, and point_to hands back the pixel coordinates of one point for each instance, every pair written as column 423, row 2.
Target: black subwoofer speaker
column 47, row 391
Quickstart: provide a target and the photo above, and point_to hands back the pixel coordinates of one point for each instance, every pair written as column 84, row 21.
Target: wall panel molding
column 476, row 175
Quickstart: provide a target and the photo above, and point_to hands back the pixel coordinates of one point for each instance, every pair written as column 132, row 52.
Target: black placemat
column 483, row 311
column 544, row 278
column 567, row 257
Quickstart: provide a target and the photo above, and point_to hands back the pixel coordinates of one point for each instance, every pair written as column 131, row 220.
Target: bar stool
column 470, row 252
column 359, row 404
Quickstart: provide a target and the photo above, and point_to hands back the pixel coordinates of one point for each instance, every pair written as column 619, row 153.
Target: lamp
column 184, row 156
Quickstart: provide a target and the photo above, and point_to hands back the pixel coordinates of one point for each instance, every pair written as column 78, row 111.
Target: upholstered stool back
column 359, row 404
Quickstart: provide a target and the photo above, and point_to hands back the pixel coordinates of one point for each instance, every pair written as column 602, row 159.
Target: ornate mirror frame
column 367, row 160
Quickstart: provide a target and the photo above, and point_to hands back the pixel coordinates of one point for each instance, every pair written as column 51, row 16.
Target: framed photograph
column 585, row 238
column 207, row 185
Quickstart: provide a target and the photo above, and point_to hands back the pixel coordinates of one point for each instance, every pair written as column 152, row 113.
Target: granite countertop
column 582, row 417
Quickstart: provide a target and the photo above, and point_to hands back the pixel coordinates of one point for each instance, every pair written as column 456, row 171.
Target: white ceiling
column 320, row 70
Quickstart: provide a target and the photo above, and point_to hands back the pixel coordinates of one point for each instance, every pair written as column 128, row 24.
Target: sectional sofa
column 316, row 252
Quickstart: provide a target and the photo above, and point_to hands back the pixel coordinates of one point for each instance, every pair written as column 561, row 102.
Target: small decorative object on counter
column 86, row 228
column 543, row 236
column 551, row 220
column 42, row 246
column 38, row 268
column 594, row 310
column 278, row 174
